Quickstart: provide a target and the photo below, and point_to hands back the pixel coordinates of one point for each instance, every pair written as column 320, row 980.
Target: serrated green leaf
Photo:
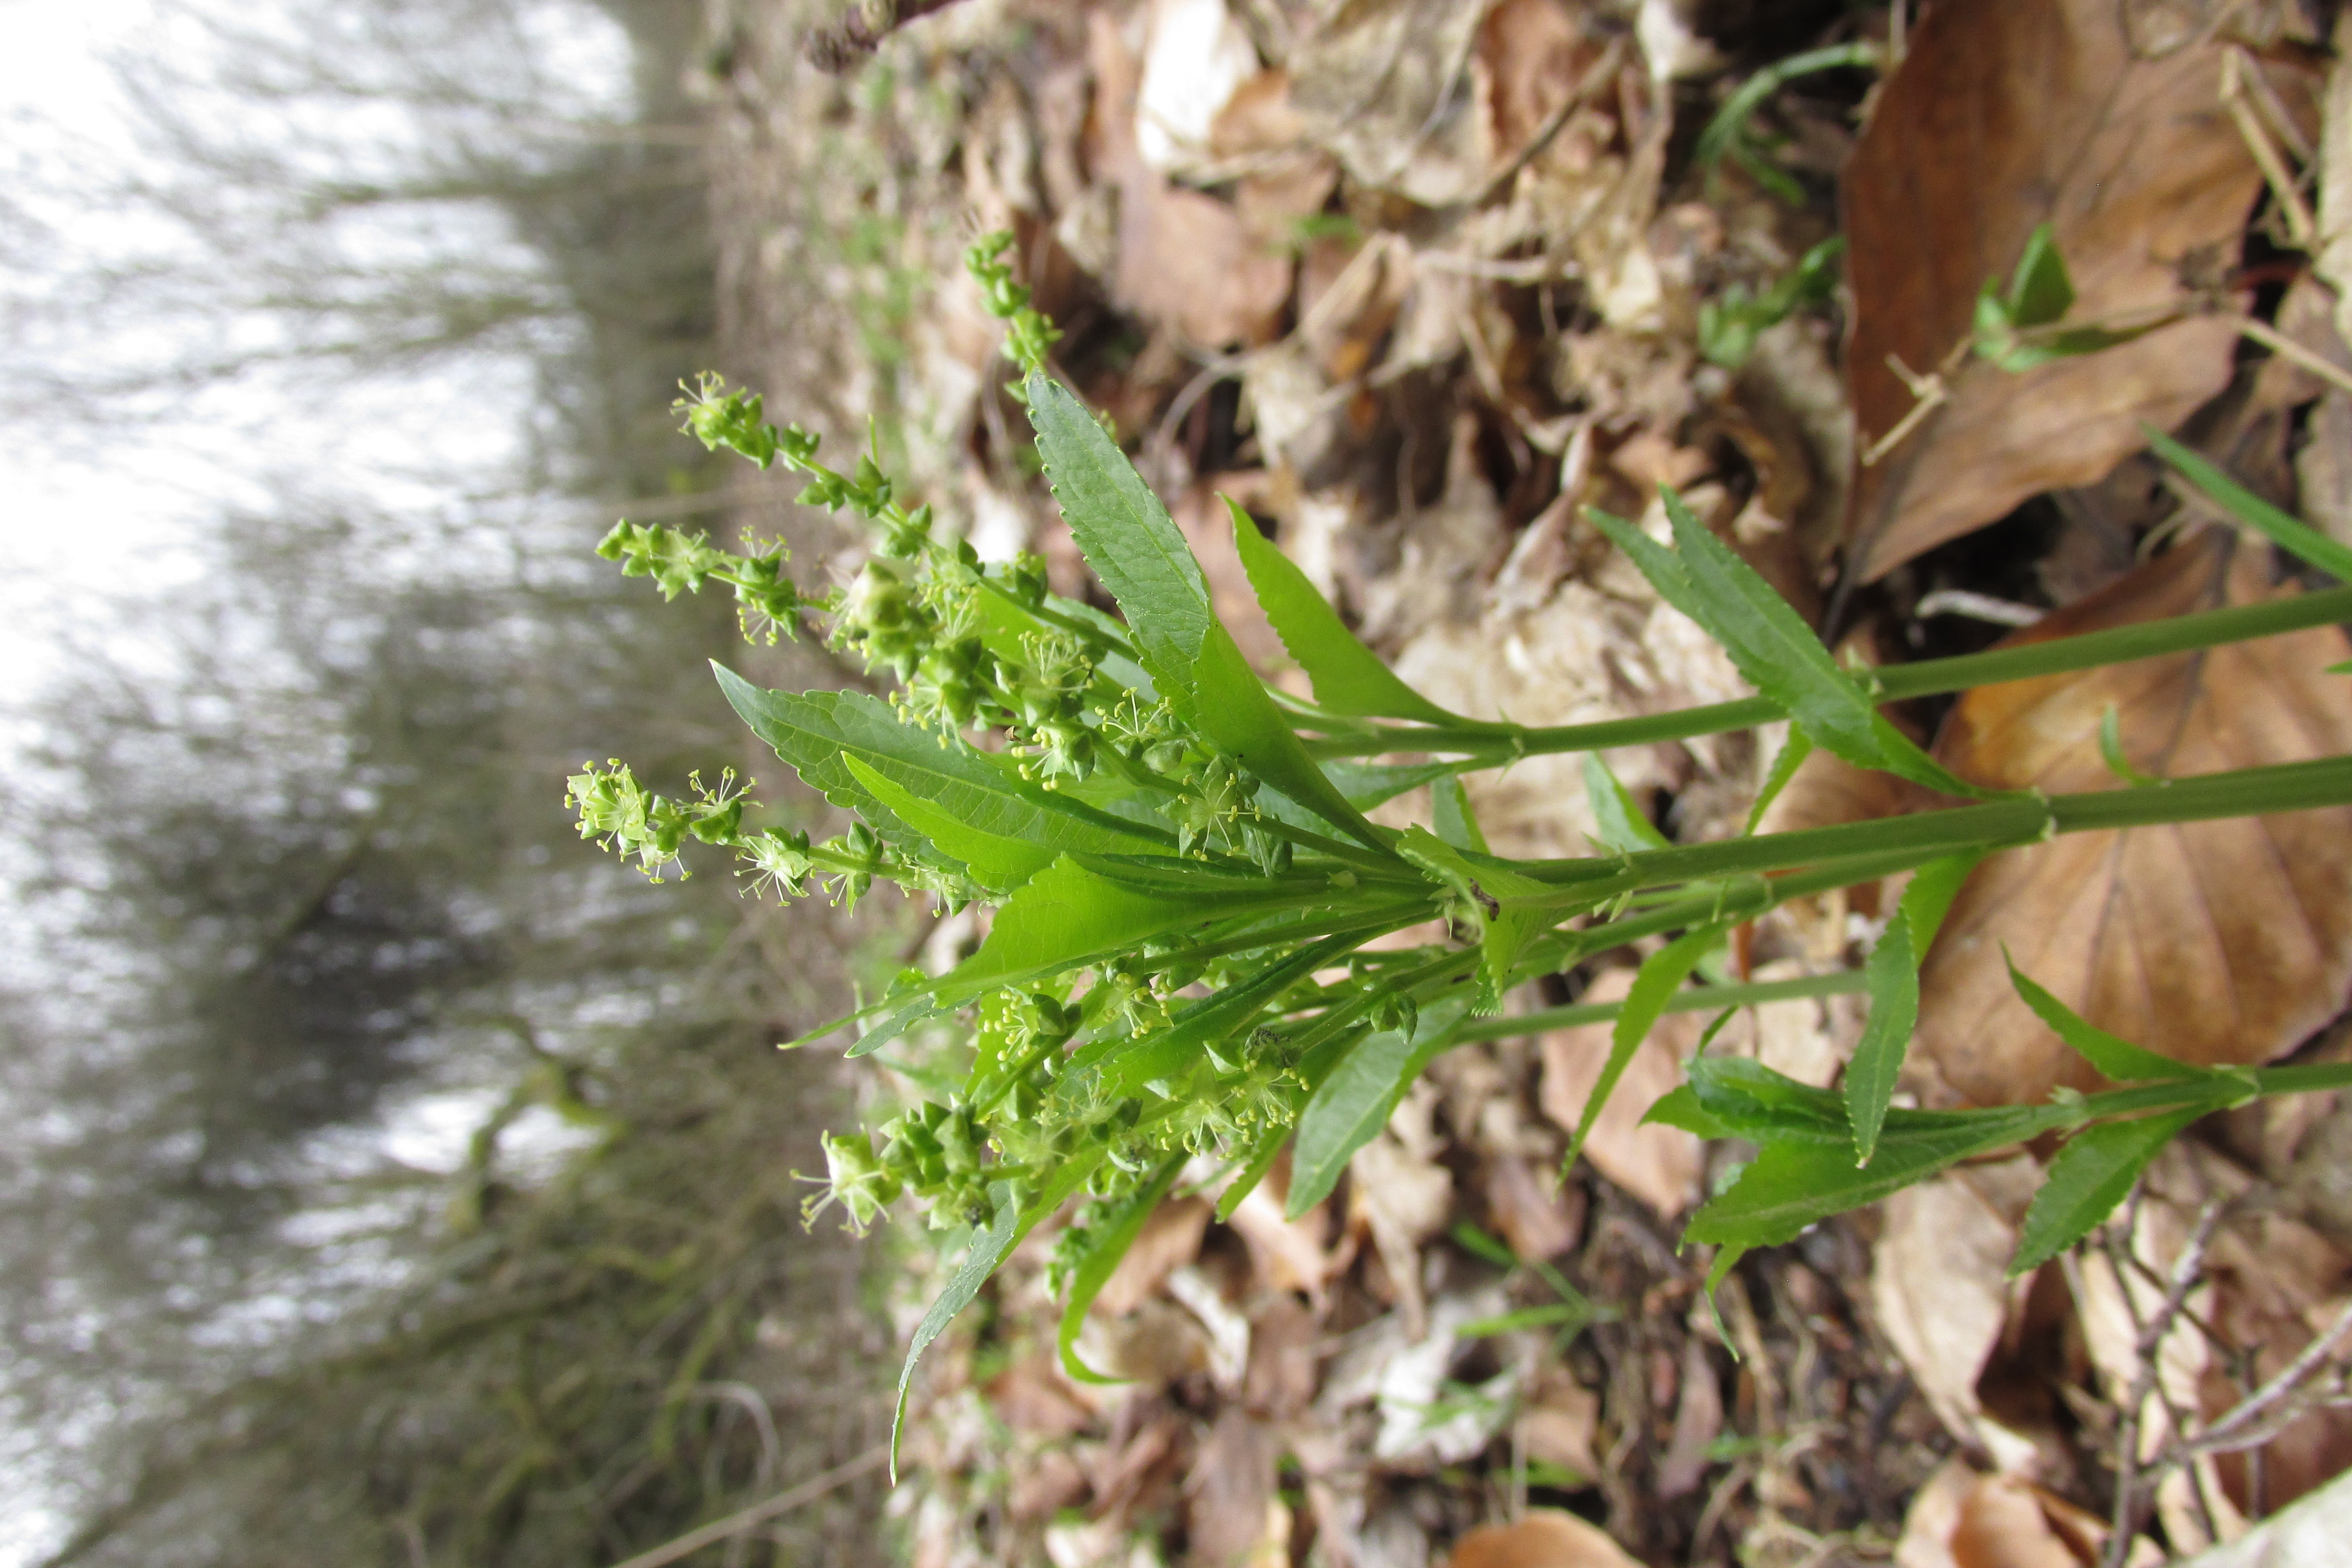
column 1094, row 1269
column 1622, row 825
column 819, row 733
column 1450, row 815
column 2090, row 1177
column 1356, row 1100
column 1779, row 655
column 1893, row 978
column 997, row 862
column 1069, row 915
column 1751, row 1100
column 1791, row 1185
column 1510, row 908
column 1129, row 540
column 1654, row 985
column 2291, row 535
column 1661, row 566
column 2114, row 1056
column 1680, row 1107
column 1348, row 678
column 988, row 1249
column 1870, row 1078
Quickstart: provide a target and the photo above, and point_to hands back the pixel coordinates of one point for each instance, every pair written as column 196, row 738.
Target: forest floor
column 1416, row 281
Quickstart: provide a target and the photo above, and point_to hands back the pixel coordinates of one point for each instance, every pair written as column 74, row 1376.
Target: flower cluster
column 981, row 653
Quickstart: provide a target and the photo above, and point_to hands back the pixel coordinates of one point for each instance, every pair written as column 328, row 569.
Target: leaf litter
column 1416, row 283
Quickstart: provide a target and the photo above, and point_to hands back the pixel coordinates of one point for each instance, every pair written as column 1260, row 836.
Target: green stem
column 2017, row 819
column 1705, row 999
column 1492, row 745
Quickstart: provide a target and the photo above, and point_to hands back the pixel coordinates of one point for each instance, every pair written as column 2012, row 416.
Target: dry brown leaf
column 1545, row 1538
column 1376, row 83
column 1940, row 1292
column 2334, row 261
column 1171, row 1239
column 1031, row 1397
column 1962, row 1519
column 1230, row 1492
column 1281, row 1377
column 1187, row 260
column 1530, row 1208
column 1044, row 1484
column 1288, row 1254
column 2005, row 113
column 1658, row 1164
column 1562, row 1422
column 2212, row 943
column 1698, row 1422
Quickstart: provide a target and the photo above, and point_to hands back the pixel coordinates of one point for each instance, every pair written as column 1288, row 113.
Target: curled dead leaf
column 1545, row 1538
column 2003, row 115
column 2212, row 943
column 1962, row 1519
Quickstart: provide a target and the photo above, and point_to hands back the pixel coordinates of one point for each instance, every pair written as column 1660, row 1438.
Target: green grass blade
column 2290, row 533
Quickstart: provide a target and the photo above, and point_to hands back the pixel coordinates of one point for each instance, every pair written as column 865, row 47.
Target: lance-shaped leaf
column 1069, row 915
column 1357, row 1099
column 818, row 733
column 1661, row 566
column 988, row 1249
column 1791, row 1185
column 1622, row 825
column 2115, row 1056
column 1348, row 678
column 1893, row 974
column 1660, row 977
column 1450, row 816
column 1135, row 548
column 1777, row 653
column 1508, row 907
column 1109, row 1243
column 2089, row 1178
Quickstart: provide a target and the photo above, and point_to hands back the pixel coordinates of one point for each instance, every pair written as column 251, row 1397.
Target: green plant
column 1184, row 883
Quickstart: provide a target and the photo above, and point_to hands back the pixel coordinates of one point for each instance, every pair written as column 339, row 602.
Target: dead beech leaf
column 1940, row 1292
column 1962, row 1519
column 1658, row 1164
column 2003, row 115
column 1545, row 1538
column 2213, row 943
column 1030, row 1396
column 1171, row 1239
column 1189, row 261
column 1698, row 1422
column 1230, row 1491
column 1288, row 1254
column 1378, row 83
column 1530, row 1209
